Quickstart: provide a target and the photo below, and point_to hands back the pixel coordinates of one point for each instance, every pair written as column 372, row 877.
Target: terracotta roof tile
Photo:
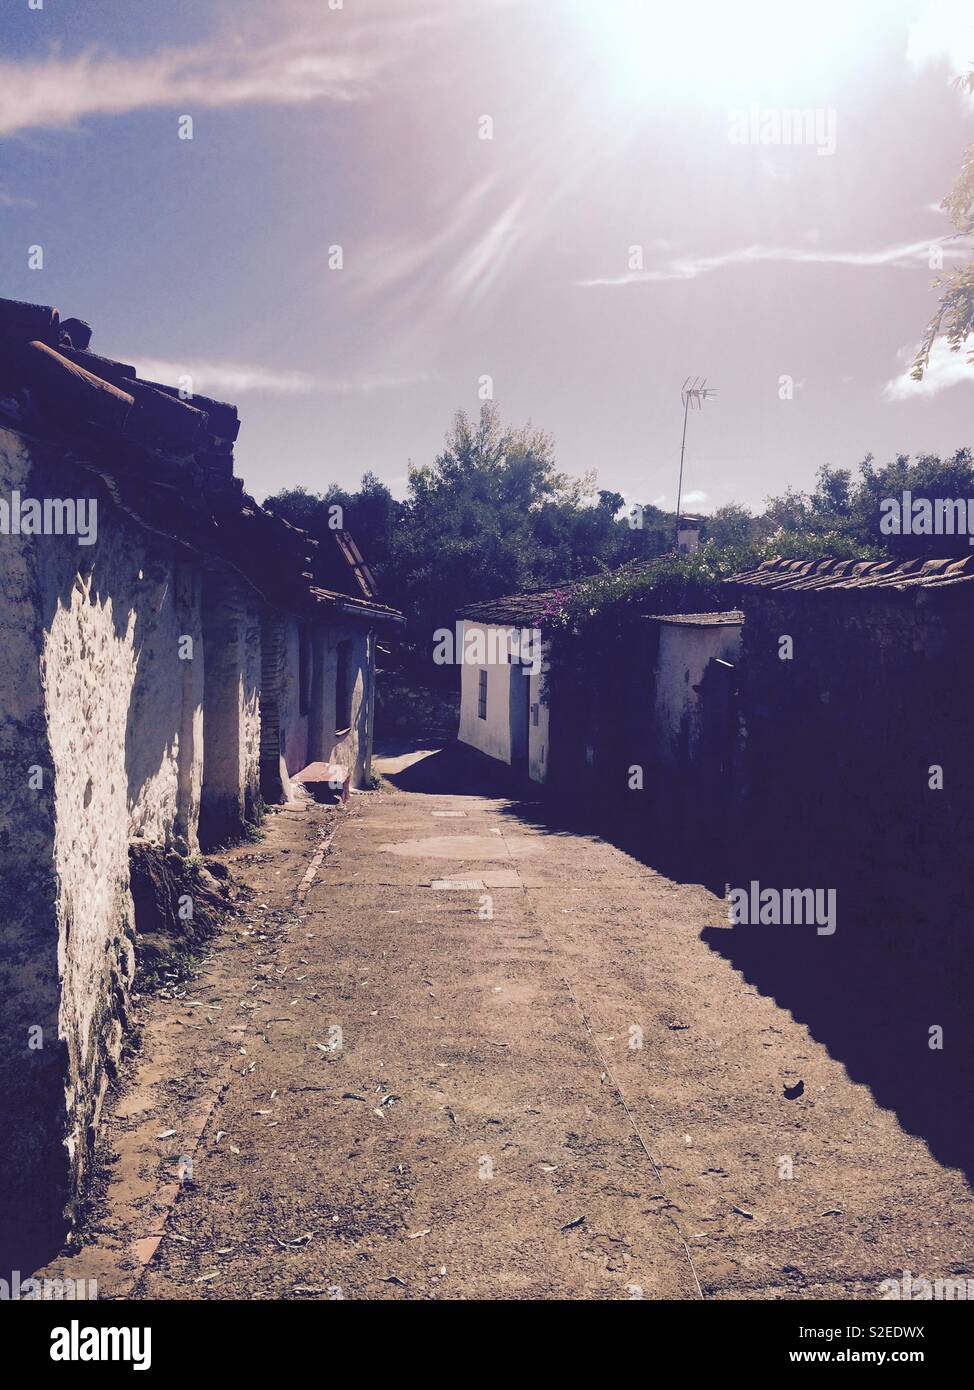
column 844, row 575
column 166, row 461
column 530, row 608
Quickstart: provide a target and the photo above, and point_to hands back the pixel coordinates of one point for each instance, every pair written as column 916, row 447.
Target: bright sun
column 758, row 49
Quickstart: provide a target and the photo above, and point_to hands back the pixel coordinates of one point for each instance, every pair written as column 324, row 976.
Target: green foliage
column 492, row 515
column 954, row 318
column 841, row 517
column 674, row 584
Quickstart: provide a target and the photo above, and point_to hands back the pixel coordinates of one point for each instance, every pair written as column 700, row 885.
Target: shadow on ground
column 453, row 770
column 870, row 994
column 458, row 770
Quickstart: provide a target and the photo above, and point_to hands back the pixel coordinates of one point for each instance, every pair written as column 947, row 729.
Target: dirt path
column 543, row 1084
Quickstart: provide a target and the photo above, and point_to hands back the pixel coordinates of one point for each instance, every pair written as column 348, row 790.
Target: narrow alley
column 444, row 1051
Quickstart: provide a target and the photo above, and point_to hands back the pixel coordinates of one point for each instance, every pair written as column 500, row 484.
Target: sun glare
column 651, row 49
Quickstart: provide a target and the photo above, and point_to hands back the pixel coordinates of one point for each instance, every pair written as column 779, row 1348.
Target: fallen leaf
column 295, row 1241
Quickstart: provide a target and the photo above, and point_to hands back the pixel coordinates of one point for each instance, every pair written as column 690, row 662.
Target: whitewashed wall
column 314, row 736
column 682, row 658
column 113, row 723
column 497, row 735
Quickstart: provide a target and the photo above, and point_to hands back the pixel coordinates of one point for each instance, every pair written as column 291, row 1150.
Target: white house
column 503, row 694
column 653, row 707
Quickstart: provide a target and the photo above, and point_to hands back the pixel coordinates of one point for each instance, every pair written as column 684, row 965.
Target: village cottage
column 171, row 656
column 645, row 721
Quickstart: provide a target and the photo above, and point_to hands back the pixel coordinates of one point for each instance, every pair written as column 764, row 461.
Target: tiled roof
column 364, row 607
column 529, row 609
column 813, row 575
column 523, row 610
column 46, row 362
column 167, row 462
column 731, row 618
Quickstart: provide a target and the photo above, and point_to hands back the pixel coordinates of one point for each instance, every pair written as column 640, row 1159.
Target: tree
column 468, row 527
column 731, row 524
column 954, row 318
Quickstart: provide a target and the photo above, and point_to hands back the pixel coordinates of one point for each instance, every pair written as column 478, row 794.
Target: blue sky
column 507, row 257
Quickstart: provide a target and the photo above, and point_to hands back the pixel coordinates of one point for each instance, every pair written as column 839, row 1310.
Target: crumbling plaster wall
column 121, row 666
column 102, row 681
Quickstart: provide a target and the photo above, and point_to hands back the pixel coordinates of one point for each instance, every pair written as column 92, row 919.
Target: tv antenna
column 693, row 393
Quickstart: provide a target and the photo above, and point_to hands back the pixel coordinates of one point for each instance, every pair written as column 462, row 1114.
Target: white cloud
column 945, row 369
column 59, row 91
column 226, row 378
column 904, row 256
column 694, row 499
column 232, row 379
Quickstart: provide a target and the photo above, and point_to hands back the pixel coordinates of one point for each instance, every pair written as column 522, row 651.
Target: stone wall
column 130, row 730
column 103, row 708
column 839, row 742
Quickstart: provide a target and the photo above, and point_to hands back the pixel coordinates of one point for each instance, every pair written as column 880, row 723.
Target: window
column 343, row 703
column 535, row 715
column 482, row 696
column 304, row 669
